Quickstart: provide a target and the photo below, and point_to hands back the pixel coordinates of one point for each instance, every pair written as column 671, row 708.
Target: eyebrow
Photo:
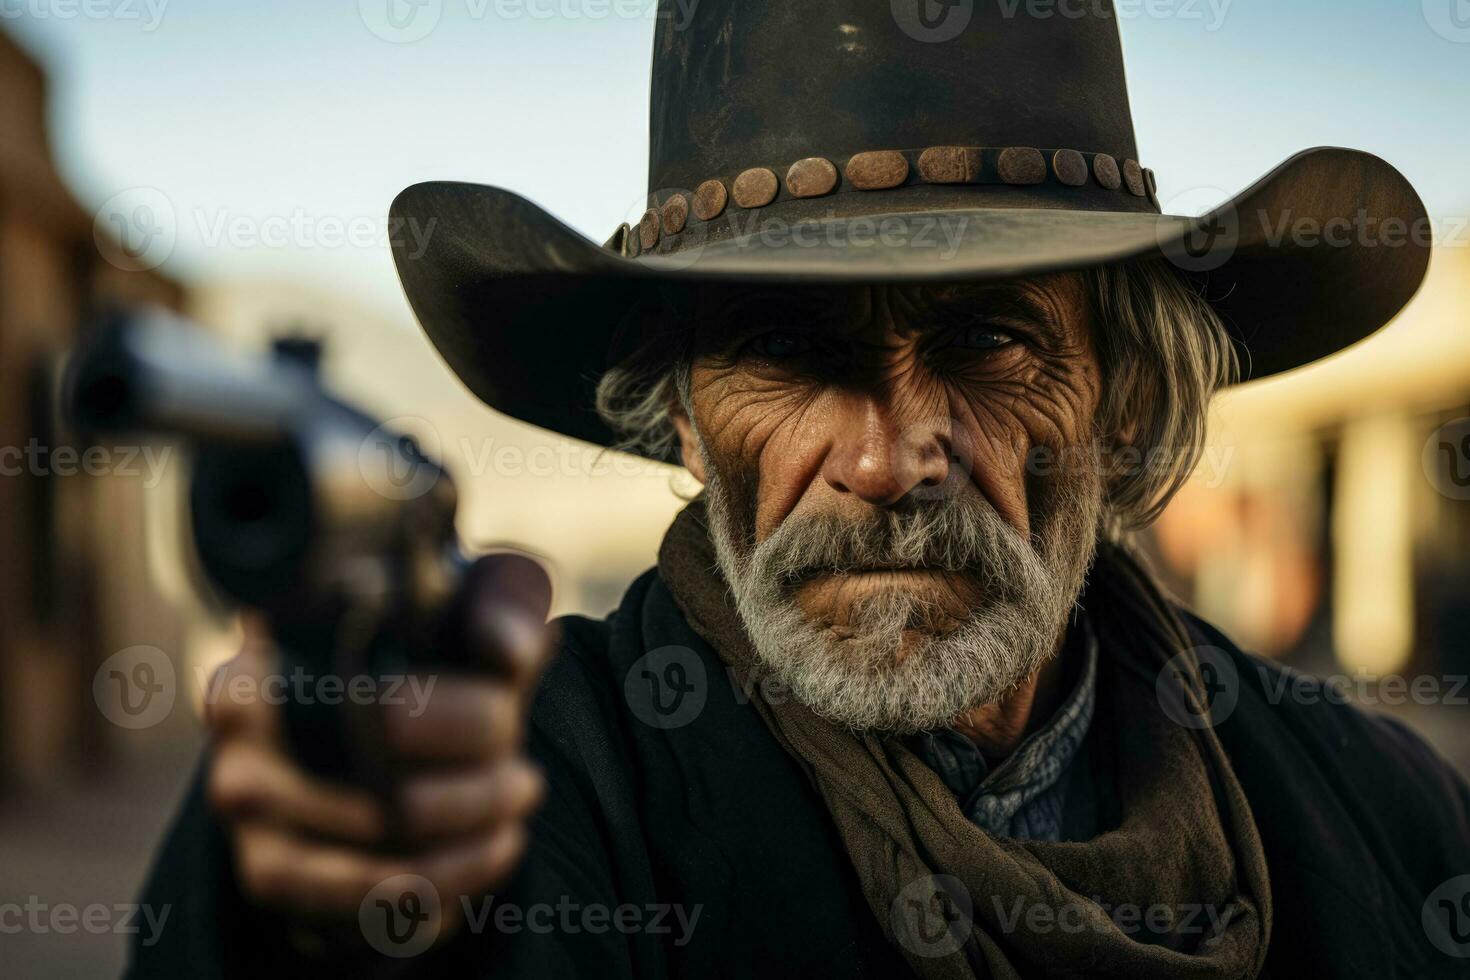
column 970, row 301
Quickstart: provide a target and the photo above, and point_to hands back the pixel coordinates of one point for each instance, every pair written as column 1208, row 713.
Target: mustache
column 958, row 534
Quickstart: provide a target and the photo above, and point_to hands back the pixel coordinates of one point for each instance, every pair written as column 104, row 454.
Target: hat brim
column 1315, row 256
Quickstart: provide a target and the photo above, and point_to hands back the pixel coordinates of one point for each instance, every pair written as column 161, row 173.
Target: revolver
column 339, row 531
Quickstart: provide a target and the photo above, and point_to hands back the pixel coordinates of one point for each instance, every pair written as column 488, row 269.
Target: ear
column 688, row 446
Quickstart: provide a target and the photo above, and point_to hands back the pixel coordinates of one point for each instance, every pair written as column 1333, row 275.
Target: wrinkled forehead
column 1055, row 305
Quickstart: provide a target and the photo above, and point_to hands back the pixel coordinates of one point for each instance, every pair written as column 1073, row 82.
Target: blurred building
column 1328, row 524
column 72, row 589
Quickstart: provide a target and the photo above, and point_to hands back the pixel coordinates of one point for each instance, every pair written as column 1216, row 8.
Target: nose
column 881, row 460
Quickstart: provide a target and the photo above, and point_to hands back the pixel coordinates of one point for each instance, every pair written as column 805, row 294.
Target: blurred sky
column 261, row 109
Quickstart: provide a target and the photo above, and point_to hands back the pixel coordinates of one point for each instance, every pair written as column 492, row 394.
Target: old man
column 898, row 698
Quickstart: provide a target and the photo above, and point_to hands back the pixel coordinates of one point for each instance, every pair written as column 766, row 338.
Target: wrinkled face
column 902, row 484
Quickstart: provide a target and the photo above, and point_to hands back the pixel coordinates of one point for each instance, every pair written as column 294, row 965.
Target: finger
column 278, row 869
column 509, row 597
column 459, row 803
column 514, row 579
column 476, row 866
column 458, row 720
column 252, row 782
column 517, row 647
column 232, row 705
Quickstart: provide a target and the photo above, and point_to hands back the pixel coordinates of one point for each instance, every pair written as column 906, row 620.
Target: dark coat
column 1359, row 818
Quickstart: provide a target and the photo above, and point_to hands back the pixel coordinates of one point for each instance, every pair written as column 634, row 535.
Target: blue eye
column 982, row 338
column 778, row 344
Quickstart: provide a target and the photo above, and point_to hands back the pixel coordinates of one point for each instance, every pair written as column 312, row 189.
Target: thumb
column 508, row 596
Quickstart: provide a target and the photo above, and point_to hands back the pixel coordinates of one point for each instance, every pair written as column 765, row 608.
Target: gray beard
column 858, row 679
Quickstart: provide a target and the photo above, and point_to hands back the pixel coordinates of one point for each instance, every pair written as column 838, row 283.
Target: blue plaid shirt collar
column 1023, row 797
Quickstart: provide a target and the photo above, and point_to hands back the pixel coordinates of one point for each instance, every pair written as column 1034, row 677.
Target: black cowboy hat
column 910, row 141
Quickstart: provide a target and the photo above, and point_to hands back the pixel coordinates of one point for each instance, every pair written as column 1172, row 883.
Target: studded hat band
column 879, row 170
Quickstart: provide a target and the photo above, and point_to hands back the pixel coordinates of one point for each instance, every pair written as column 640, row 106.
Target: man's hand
column 315, row 849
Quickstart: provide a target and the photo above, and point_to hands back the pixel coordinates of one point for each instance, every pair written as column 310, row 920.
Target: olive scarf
column 1177, row 890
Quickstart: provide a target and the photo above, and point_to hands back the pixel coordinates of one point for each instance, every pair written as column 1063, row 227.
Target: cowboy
column 897, row 699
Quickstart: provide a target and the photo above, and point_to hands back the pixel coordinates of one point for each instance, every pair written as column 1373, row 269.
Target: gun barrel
column 298, row 501
column 153, row 373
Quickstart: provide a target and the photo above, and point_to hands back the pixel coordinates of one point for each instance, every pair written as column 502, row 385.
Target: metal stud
column 675, row 213
column 877, row 170
column 1106, row 170
column 949, row 165
column 1070, row 167
column 709, row 200
column 648, row 229
column 755, row 188
column 1133, row 177
column 1021, row 165
column 811, row 177
column 1152, row 184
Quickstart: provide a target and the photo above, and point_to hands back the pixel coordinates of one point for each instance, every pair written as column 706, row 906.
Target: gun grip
column 315, row 721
